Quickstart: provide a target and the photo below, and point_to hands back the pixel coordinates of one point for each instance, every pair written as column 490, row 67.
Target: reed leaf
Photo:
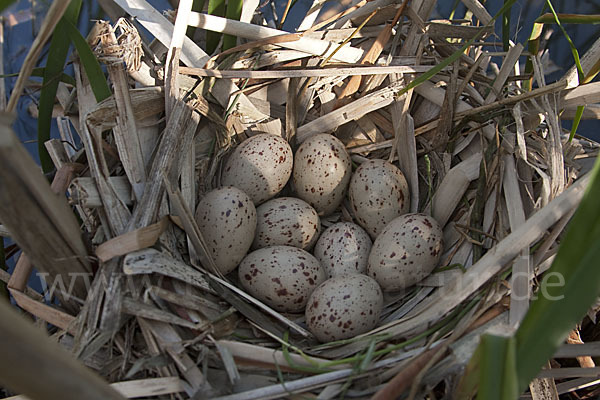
column 580, row 72
column 218, row 8
column 560, row 307
column 197, row 6
column 234, row 11
column 90, row 64
column 55, row 64
column 498, row 378
column 506, row 28
column 549, row 18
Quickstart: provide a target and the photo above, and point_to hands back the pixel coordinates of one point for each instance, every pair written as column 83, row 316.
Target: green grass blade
column 454, row 7
column 234, row 11
column 506, row 28
column 454, row 56
column 498, row 379
column 364, row 364
column 90, row 64
column 575, row 57
column 467, row 386
column 560, row 307
column 571, row 44
column 218, row 8
column 576, row 121
column 549, row 18
column 4, row 4
column 55, row 64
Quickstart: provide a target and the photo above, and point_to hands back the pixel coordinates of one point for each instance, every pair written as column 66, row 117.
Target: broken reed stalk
column 40, row 220
column 27, row 353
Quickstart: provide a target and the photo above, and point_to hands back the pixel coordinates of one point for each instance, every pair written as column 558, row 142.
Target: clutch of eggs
column 340, row 285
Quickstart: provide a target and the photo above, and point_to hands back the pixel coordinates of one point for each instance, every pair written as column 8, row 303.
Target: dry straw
column 487, row 159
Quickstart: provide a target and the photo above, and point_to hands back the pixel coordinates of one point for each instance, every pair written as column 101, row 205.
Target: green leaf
column 558, row 308
column 506, row 28
column 580, row 72
column 549, row 18
column 57, row 56
column 90, row 64
column 576, row 121
column 218, row 8
column 467, row 386
column 234, row 11
column 498, row 379
column 4, row 4
column 364, row 364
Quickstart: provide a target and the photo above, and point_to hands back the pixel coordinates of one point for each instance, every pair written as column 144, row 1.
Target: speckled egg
column 405, row 252
column 260, row 166
column 322, row 171
column 227, row 220
column 281, row 276
column 286, row 221
column 343, row 307
column 378, row 194
column 343, row 249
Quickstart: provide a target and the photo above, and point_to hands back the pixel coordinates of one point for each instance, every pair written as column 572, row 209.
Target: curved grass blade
column 560, row 307
column 234, row 11
column 57, row 56
column 576, row 121
column 577, row 63
column 90, row 64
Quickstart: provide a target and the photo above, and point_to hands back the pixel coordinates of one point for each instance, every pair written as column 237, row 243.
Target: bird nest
column 478, row 140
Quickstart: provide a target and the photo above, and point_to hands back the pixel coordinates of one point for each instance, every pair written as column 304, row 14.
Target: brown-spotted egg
column 378, row 193
column 343, row 307
column 260, row 166
column 227, row 220
column 281, row 276
column 286, row 221
column 343, row 248
column 405, row 252
column 322, row 170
